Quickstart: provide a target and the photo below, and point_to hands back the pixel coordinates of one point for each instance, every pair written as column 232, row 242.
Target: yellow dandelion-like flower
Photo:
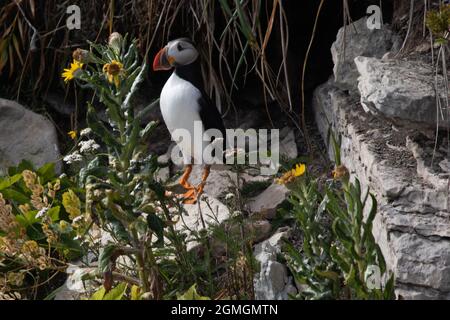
column 69, row 74
column 72, row 134
column 299, row 170
column 290, row 175
column 113, row 71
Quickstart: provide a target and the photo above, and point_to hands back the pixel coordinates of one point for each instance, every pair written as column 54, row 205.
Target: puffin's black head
column 176, row 53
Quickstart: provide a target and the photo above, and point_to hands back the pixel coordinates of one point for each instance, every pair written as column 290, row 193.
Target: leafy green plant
column 438, row 21
column 37, row 232
column 339, row 253
column 122, row 196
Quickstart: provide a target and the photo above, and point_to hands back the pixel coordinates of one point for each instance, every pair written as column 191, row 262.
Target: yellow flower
column 69, row 74
column 299, row 170
column 113, row 71
column 290, row 175
column 72, row 134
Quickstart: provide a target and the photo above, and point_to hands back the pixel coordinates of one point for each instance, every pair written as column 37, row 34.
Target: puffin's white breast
column 180, row 109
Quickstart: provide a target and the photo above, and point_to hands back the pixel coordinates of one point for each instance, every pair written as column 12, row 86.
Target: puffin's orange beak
column 162, row 61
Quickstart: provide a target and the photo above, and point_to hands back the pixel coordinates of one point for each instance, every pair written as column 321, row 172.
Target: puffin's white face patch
column 182, row 51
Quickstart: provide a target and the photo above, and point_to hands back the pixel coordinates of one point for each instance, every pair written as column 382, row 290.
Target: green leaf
column 327, row 274
column 47, row 172
column 389, row 289
column 135, row 293
column 23, row 165
column 323, row 205
column 14, row 195
column 9, row 181
column 192, row 294
column 53, row 213
column 119, row 230
column 140, row 77
column 104, row 259
column 27, row 219
column 117, row 293
column 157, row 226
column 99, row 294
column 100, row 130
column 94, row 168
column 370, row 218
column 132, row 141
column 148, row 129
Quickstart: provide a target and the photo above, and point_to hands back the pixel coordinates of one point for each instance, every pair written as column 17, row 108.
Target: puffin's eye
column 179, row 47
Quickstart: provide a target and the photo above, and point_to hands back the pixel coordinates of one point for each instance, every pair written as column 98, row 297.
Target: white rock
column 25, row 135
column 401, row 90
column 288, row 146
column 211, row 210
column 259, row 229
column 75, row 287
column 163, row 174
column 269, row 199
column 359, row 41
column 273, row 281
column 218, row 183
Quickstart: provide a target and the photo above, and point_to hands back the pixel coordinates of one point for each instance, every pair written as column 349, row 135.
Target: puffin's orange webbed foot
column 199, row 190
column 190, row 196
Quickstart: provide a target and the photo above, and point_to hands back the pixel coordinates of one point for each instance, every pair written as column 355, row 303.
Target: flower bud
column 115, row 42
column 81, row 55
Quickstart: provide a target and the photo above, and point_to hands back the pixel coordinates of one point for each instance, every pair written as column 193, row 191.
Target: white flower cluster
column 73, row 157
column 88, row 146
column 85, row 132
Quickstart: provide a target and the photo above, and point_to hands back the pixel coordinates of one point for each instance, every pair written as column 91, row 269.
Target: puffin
column 185, row 105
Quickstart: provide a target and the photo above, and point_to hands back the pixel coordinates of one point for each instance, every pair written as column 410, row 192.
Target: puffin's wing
column 210, row 115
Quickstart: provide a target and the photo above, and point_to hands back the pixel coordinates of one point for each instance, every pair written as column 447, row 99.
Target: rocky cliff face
column 383, row 109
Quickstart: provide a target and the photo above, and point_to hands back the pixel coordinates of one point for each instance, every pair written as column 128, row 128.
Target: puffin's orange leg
column 202, row 184
column 185, row 177
column 190, row 193
column 199, row 190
